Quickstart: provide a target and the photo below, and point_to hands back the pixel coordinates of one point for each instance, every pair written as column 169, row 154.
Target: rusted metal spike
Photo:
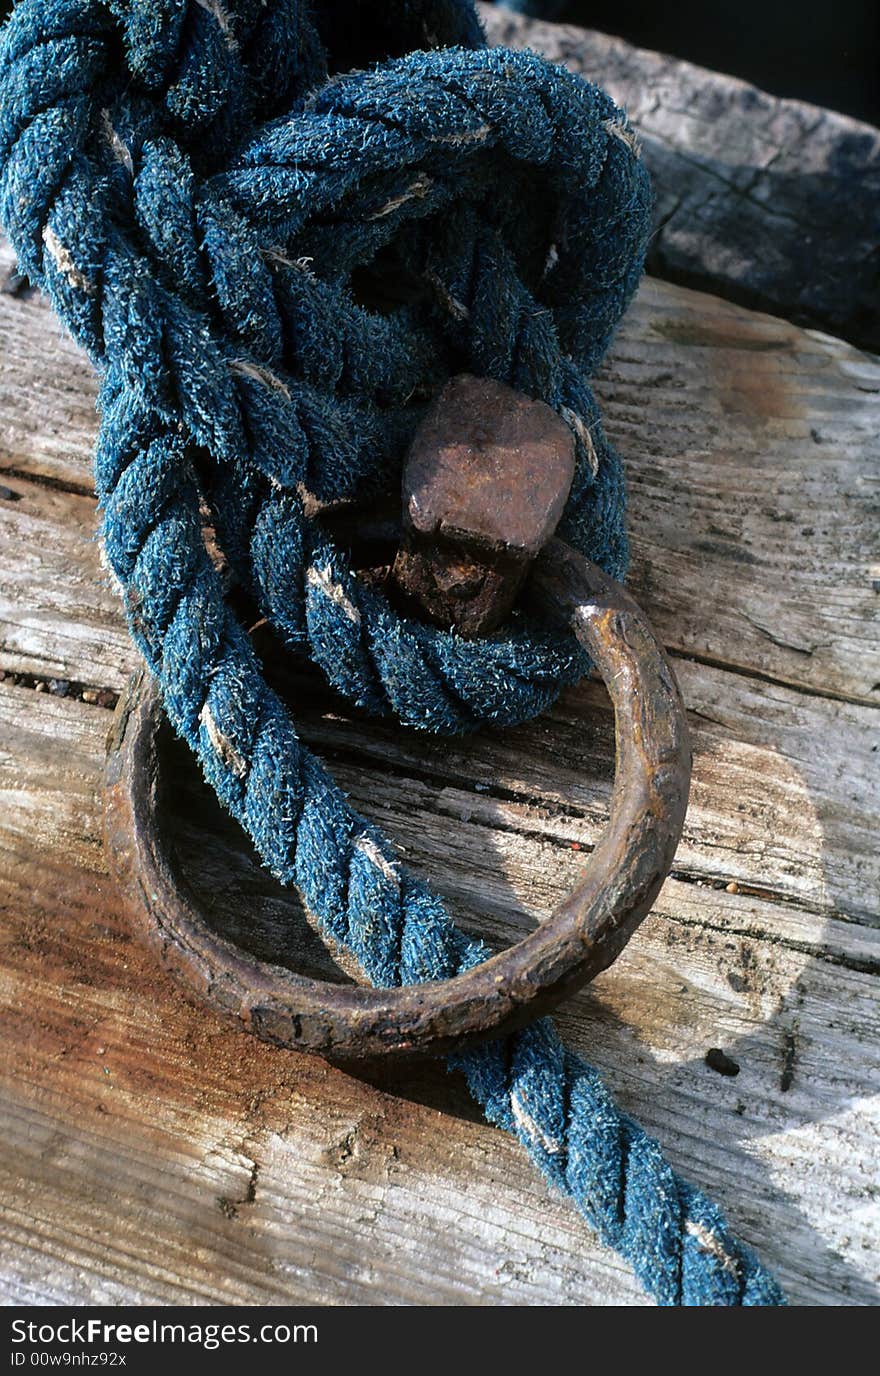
column 485, row 483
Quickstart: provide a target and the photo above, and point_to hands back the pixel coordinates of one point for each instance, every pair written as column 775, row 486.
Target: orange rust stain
column 753, row 385
column 748, row 357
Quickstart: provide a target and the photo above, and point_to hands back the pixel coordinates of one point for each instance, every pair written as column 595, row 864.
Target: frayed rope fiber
column 200, row 187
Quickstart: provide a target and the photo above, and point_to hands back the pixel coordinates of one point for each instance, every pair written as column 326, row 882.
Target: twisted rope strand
column 195, row 186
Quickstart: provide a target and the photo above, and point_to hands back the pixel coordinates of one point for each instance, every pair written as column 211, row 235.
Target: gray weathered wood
column 152, row 1155
column 771, row 202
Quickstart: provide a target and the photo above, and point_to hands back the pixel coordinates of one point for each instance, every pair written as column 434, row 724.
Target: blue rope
column 196, row 185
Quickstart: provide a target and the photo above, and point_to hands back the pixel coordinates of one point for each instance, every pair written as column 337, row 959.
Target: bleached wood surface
column 151, row 1155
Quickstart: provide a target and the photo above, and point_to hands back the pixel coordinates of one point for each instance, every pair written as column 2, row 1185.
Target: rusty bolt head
column 484, row 486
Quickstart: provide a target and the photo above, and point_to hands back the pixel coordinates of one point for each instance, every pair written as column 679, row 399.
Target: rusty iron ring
column 583, row 936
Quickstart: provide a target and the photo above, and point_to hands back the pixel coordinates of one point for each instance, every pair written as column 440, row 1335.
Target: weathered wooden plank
column 452, row 864
column 781, row 802
column 153, row 1155
column 767, row 201
column 47, row 388
column 59, row 614
column 752, row 451
column 241, row 1173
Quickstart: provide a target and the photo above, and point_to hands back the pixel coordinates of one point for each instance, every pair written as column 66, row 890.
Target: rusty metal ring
column 583, row 935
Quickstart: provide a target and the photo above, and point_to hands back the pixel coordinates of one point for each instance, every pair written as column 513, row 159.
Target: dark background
column 825, row 51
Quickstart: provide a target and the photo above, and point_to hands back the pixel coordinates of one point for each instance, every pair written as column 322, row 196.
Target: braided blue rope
column 196, row 184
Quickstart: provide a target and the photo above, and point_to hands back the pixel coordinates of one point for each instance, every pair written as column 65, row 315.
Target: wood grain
column 134, row 1123
column 150, row 1154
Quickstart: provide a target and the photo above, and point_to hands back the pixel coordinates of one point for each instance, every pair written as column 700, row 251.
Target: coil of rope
column 202, row 188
